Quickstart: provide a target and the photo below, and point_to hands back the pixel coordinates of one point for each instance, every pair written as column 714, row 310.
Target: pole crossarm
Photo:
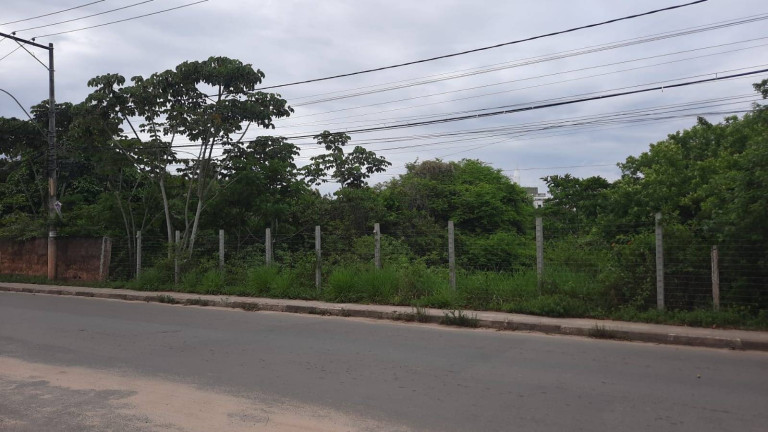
column 25, row 41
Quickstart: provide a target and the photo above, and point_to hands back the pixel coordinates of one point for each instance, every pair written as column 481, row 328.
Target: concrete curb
column 624, row 331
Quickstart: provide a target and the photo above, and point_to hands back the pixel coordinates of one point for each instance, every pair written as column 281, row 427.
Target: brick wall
column 79, row 258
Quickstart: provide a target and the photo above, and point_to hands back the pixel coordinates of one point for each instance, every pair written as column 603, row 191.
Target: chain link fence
column 566, row 269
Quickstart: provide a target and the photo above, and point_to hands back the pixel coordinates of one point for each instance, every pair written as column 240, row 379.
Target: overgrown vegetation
column 710, row 182
column 459, row 318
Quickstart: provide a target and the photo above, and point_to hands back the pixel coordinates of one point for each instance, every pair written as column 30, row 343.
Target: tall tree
column 211, row 103
column 351, row 169
column 261, row 184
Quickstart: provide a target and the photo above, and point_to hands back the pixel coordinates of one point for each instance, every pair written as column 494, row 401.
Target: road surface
column 85, row 364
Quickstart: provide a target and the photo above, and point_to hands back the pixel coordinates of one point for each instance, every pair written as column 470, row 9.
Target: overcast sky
column 298, row 40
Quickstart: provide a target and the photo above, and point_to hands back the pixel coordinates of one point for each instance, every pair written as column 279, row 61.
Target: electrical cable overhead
column 634, row 115
column 482, row 112
column 600, row 119
column 580, row 128
column 528, row 39
column 33, row 55
column 123, row 20
column 533, row 60
column 85, row 17
column 560, row 167
column 539, row 126
column 623, row 123
column 557, row 73
column 566, row 54
column 329, row 122
column 496, row 131
column 543, row 106
column 52, row 13
column 556, row 56
column 44, row 133
column 14, row 50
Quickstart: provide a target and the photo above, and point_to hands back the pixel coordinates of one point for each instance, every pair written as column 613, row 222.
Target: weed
column 197, row 302
column 165, row 298
column 420, row 314
column 601, row 332
column 460, row 319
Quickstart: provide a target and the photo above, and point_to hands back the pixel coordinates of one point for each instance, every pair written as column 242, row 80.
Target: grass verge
column 423, row 287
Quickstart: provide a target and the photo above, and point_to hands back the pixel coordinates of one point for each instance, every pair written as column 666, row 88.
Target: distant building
column 538, row 198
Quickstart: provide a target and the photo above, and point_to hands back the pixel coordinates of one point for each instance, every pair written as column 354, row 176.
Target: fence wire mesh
column 582, row 268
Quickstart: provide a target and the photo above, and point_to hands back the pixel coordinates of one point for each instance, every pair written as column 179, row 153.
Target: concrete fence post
column 715, row 278
column 318, row 258
column 138, row 254
column 268, row 247
column 377, row 247
column 539, row 253
column 106, row 248
column 659, row 263
column 221, row 250
column 177, row 252
column 451, row 256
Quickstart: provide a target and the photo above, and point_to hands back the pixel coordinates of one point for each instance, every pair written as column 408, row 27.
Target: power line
column 567, row 54
column 635, row 116
column 44, row 133
column 563, row 54
column 581, row 51
column 335, row 98
column 30, row 53
column 488, row 47
column 16, row 49
column 501, row 130
column 388, row 121
column 629, row 115
column 52, row 13
column 624, row 123
column 543, row 106
column 546, row 168
column 123, row 20
column 575, row 123
column 588, row 126
column 321, row 122
column 85, row 17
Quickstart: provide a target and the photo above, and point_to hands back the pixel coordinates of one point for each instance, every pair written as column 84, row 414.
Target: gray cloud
column 296, row 40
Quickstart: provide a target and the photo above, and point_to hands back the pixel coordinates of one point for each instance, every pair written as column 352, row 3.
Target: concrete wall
column 79, row 258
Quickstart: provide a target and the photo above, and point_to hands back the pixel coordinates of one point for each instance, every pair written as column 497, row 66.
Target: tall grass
column 579, row 280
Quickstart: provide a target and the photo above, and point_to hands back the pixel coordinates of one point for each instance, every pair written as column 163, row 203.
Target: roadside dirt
column 36, row 396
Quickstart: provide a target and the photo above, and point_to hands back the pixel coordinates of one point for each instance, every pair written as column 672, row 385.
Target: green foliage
column 459, row 318
column 508, row 251
column 350, row 169
column 153, row 279
column 165, row 298
column 575, row 203
column 271, row 281
column 476, row 197
column 725, row 318
column 710, row 182
column 360, row 285
column 365, row 284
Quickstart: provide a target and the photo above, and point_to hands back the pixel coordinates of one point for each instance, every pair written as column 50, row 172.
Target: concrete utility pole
column 51, row 166
column 659, row 263
column 52, row 174
column 539, row 253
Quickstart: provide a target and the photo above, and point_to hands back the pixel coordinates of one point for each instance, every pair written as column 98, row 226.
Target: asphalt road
column 419, row 377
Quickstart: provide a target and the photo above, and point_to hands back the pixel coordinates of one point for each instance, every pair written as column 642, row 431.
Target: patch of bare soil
column 89, row 399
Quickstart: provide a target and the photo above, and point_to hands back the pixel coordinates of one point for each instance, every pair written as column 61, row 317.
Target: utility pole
column 52, row 174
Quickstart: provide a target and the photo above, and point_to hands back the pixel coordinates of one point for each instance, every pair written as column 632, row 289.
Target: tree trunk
column 168, row 224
